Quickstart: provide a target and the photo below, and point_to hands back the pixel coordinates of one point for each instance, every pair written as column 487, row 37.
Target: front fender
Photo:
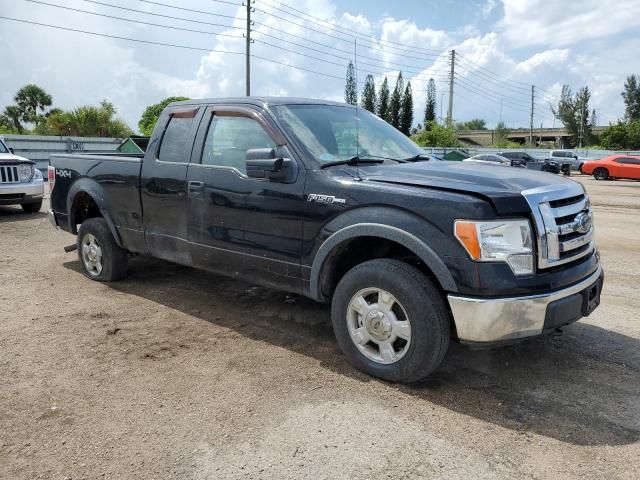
column 388, row 232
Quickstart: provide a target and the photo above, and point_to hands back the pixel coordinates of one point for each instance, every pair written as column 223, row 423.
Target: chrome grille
column 9, row 174
column 564, row 223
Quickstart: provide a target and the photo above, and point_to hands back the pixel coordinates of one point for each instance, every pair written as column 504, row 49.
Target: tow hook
column 70, row 248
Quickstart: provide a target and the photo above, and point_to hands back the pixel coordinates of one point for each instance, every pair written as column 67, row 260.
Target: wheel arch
column 87, row 199
column 333, row 248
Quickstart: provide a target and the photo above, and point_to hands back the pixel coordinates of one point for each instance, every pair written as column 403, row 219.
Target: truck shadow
column 581, row 387
column 16, row 214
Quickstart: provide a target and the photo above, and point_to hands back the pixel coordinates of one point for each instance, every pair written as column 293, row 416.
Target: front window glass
column 329, row 133
column 229, row 138
column 3, row 148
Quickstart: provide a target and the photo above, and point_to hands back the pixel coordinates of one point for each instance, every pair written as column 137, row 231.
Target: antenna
column 355, row 65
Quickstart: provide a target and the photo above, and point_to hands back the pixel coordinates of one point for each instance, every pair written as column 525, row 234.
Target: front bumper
column 482, row 320
column 17, row 193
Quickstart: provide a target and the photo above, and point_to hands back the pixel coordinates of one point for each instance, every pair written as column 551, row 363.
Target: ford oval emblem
column 583, row 222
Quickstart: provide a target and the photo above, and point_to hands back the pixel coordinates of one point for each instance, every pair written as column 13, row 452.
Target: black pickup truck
column 330, row 202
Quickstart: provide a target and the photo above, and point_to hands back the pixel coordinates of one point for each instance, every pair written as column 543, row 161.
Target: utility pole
column 248, row 46
column 533, row 95
column 453, row 69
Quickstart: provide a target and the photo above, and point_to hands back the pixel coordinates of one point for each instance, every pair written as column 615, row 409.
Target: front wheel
column 601, row 174
column 390, row 320
column 101, row 257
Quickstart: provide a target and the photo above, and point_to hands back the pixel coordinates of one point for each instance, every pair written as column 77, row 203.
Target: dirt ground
column 175, row 373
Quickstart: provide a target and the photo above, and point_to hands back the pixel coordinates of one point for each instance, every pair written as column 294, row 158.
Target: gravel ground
column 175, row 373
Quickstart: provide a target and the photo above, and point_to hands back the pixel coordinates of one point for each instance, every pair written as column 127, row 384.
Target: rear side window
column 174, row 140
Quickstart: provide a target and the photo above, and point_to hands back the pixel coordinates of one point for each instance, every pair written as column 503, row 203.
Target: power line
column 200, row 22
column 491, row 72
column 206, row 33
column 345, row 39
column 149, row 42
column 187, row 47
column 335, row 27
column 491, row 93
column 135, row 21
column 202, row 12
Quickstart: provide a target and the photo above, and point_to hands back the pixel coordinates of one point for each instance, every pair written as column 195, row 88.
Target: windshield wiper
column 417, row 157
column 357, row 160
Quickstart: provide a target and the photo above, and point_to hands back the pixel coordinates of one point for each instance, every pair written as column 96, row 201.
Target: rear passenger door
column 247, row 227
column 163, row 185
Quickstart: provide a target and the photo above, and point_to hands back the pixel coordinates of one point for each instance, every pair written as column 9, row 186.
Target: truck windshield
column 3, row 148
column 329, row 134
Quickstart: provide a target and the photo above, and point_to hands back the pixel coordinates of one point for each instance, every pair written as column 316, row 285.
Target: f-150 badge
column 328, row 199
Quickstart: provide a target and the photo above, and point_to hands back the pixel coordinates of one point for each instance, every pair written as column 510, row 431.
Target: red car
column 613, row 166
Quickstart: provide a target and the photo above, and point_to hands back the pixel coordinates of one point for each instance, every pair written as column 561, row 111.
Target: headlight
column 507, row 241
column 37, row 174
column 25, row 172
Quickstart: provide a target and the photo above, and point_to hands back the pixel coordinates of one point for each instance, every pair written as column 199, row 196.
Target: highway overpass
column 556, row 136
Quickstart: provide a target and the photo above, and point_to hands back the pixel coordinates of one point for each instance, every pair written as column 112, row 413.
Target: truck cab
column 328, row 201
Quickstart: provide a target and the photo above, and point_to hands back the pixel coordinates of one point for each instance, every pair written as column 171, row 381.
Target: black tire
column 425, row 308
column 113, row 262
column 601, row 174
column 32, row 207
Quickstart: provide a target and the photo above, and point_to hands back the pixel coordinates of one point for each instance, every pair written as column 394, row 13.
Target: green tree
column 11, row 119
column 501, row 135
column 369, row 94
column 395, row 104
column 473, row 124
column 614, row 137
column 430, row 106
column 33, row 102
column 436, row 136
column 350, row 88
column 406, row 112
column 383, row 100
column 152, row 113
column 86, row 121
column 631, row 96
column 573, row 112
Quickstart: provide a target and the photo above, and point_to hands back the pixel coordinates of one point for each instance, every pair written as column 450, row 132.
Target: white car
column 21, row 183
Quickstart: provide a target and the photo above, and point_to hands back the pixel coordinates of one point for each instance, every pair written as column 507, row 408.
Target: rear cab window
column 174, row 139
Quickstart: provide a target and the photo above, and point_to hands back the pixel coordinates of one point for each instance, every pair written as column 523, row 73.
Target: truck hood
column 502, row 186
column 11, row 158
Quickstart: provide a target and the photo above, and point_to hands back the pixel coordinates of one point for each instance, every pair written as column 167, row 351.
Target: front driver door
column 249, row 228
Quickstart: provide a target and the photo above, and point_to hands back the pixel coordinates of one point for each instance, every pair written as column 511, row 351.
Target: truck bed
column 115, row 178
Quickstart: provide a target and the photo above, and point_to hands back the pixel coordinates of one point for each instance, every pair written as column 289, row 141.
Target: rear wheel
column 31, row 207
column 601, row 174
column 101, row 257
column 390, row 320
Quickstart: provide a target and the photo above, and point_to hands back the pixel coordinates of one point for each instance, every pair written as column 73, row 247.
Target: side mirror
column 262, row 163
column 11, row 150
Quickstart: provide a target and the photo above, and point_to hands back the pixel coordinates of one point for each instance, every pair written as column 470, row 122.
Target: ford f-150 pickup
column 331, row 202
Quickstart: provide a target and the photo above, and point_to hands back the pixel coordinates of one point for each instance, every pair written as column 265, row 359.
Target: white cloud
column 562, row 23
column 488, row 7
column 554, row 57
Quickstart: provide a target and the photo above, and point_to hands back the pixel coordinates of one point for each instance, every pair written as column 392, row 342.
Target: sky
column 503, row 47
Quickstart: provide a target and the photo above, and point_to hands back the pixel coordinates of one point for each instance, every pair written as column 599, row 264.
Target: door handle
column 195, row 188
